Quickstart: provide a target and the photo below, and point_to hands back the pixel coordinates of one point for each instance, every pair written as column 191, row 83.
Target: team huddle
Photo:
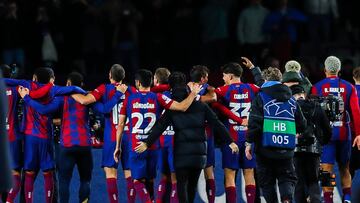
column 142, row 133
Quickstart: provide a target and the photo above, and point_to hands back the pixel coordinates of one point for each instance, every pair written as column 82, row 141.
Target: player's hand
column 194, row 87
column 357, row 142
column 244, row 122
column 121, row 88
column 141, row 147
column 117, row 153
column 247, row 63
column 23, row 91
column 248, row 152
column 234, row 148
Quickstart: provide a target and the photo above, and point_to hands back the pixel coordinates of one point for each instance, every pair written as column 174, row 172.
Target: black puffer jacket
column 190, row 148
column 281, row 93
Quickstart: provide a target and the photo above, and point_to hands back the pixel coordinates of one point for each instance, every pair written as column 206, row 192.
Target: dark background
column 90, row 35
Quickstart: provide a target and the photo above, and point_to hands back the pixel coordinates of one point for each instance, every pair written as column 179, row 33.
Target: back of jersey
column 142, row 110
column 37, row 124
column 75, row 130
column 237, row 97
column 111, row 119
column 342, row 88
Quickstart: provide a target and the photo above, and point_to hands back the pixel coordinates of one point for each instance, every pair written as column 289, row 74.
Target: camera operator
column 341, row 95
column 308, row 147
column 274, row 120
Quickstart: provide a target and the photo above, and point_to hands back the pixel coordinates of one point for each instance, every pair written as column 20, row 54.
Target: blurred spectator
column 281, row 26
column 272, row 62
column 126, row 36
column 321, row 15
column 249, row 29
column 155, row 32
column 11, row 37
column 185, row 33
column 49, row 54
column 74, row 22
column 93, row 37
column 214, row 22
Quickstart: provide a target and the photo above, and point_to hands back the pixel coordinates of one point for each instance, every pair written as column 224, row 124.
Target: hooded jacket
column 281, row 93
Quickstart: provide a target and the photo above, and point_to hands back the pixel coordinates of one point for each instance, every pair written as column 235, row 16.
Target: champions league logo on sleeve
column 271, row 105
column 166, row 99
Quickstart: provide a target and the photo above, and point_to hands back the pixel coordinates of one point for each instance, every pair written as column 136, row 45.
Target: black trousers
column 307, row 170
column 187, row 179
column 270, row 170
column 82, row 157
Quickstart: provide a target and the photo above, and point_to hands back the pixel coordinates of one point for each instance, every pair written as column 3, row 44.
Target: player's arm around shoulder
column 184, row 105
column 91, row 97
column 210, row 96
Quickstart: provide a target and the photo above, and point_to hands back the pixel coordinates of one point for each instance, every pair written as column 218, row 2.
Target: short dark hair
column 198, row 72
column 76, row 79
column 356, row 74
column 162, row 75
column 6, row 70
column 272, row 74
column 177, row 79
column 232, row 68
column 145, row 77
column 44, row 74
column 117, row 72
column 179, row 89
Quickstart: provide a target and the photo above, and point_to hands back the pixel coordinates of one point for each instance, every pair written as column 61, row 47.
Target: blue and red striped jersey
column 143, row 109
column 12, row 122
column 204, row 89
column 40, row 125
column 75, row 130
column 237, row 97
column 34, row 123
column 339, row 87
column 109, row 102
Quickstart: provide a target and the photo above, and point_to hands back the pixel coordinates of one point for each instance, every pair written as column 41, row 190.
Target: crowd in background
column 89, row 35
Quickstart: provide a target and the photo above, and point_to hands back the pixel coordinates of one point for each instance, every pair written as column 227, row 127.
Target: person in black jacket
column 274, row 120
column 190, row 146
column 308, row 148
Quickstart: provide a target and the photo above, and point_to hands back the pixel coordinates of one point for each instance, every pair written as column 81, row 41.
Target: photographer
column 308, row 147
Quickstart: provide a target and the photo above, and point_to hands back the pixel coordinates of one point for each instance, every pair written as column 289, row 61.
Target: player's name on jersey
column 241, row 96
column 169, row 132
column 334, row 89
column 141, row 137
column 239, row 128
column 138, row 105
